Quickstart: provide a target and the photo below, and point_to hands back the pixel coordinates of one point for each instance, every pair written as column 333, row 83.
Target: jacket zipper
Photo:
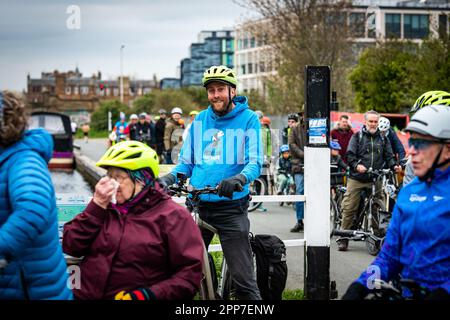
column 371, row 163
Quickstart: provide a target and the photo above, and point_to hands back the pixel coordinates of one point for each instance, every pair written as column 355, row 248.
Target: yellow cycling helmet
column 220, row 74
column 131, row 155
column 194, row 112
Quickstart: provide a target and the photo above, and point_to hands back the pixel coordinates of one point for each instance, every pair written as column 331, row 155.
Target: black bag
column 271, row 267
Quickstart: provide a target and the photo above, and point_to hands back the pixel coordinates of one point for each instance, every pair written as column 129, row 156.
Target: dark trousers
column 230, row 218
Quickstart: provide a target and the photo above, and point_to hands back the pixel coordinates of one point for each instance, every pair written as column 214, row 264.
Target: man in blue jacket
column 417, row 244
column 224, row 148
column 32, row 265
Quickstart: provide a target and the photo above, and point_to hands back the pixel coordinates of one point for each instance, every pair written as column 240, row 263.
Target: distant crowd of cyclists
column 138, row 244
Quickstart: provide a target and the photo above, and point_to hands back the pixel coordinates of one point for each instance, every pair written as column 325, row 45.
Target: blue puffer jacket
column 417, row 244
column 28, row 223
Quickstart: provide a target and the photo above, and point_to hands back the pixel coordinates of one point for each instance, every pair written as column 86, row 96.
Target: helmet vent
column 134, row 156
column 117, row 155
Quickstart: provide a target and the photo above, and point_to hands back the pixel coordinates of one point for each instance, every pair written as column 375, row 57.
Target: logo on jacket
column 437, row 198
column 417, row 198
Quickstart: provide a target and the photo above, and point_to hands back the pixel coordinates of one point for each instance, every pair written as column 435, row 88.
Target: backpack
column 271, row 267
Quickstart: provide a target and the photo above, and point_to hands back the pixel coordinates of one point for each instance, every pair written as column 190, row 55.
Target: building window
column 75, row 90
column 443, row 25
column 243, row 69
column 262, row 67
column 250, row 68
column 252, row 42
column 68, row 91
column 393, row 25
column 84, row 91
column 415, row 26
column 357, row 24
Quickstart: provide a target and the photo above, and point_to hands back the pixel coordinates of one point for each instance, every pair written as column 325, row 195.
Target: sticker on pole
column 318, row 131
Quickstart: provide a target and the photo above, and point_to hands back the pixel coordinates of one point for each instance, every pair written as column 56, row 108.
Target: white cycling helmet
column 433, row 121
column 133, row 116
column 176, row 110
column 384, row 124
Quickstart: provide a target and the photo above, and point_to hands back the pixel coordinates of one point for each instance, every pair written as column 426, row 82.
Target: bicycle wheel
column 257, row 188
column 373, row 245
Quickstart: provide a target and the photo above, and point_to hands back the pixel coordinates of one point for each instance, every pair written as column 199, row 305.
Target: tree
column 143, row 104
column 300, row 33
column 382, row 79
column 431, row 70
column 99, row 119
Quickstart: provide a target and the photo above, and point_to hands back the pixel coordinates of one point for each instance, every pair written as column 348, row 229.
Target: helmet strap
column 429, row 175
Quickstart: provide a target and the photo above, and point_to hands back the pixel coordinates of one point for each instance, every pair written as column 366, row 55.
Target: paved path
column 345, row 266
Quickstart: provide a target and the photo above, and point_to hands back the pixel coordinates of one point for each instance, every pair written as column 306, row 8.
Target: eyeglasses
column 119, row 179
column 421, row 144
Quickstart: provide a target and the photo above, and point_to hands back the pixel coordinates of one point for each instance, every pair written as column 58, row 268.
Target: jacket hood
column 37, row 140
column 241, row 104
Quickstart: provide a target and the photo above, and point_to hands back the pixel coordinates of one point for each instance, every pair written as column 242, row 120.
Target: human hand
column 397, row 169
column 360, row 168
column 104, row 191
column 228, row 186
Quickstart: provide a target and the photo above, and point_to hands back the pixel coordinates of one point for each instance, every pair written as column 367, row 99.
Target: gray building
column 212, row 48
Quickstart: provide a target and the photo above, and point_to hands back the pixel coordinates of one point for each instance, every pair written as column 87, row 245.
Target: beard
column 220, row 106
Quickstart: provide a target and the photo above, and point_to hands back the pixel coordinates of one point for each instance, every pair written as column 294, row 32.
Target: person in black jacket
column 159, row 133
column 367, row 149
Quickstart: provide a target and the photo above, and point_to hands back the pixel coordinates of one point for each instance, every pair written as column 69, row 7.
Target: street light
column 121, row 73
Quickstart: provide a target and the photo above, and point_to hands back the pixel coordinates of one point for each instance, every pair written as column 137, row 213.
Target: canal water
column 70, row 183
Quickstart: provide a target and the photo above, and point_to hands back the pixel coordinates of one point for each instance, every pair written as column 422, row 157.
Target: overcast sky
column 34, row 36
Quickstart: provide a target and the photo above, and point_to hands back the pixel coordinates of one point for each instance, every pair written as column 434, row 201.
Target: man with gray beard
column 367, row 149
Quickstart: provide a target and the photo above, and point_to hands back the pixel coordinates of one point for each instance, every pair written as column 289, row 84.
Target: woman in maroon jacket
column 136, row 242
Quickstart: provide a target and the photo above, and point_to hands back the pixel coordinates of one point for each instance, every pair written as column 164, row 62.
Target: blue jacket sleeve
column 186, row 159
column 254, row 155
column 387, row 264
column 33, row 204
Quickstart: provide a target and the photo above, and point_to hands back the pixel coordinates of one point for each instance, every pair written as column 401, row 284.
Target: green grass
column 293, row 294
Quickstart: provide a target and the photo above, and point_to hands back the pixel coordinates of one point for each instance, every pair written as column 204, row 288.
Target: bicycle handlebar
column 344, row 233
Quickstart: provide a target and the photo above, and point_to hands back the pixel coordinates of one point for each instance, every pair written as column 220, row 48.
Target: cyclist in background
column 119, row 128
column 142, row 246
column 426, row 99
column 397, row 147
column 417, row 244
column 284, row 168
column 292, row 120
column 231, row 158
column 367, row 149
column 337, row 165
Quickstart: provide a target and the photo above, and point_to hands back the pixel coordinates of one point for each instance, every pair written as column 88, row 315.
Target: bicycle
column 211, row 287
column 368, row 223
column 263, row 185
column 336, row 197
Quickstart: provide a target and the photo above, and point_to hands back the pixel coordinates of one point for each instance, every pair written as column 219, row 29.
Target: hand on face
column 104, row 191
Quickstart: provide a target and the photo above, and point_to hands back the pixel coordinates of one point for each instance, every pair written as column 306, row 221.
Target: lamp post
column 121, row 73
